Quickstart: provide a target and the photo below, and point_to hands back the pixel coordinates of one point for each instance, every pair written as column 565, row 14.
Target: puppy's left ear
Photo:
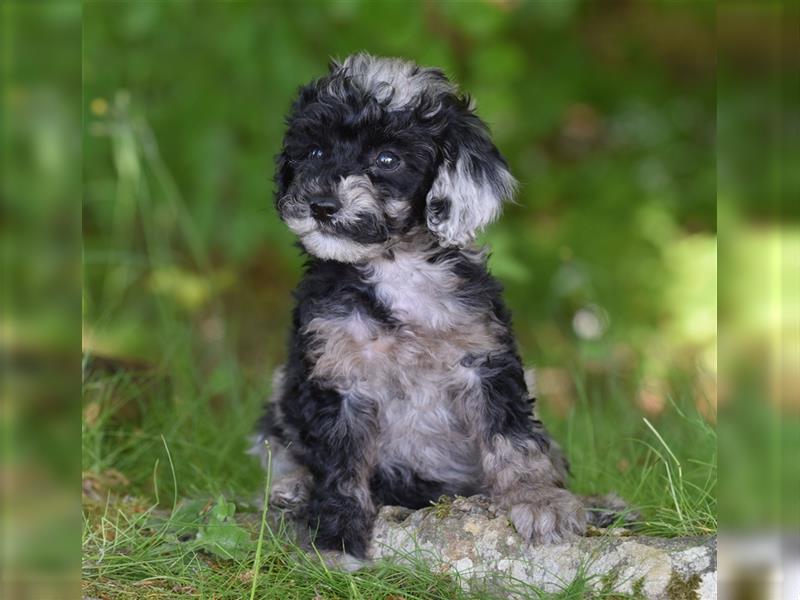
column 472, row 181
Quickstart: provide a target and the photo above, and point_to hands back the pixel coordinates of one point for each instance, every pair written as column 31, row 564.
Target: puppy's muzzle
column 324, row 207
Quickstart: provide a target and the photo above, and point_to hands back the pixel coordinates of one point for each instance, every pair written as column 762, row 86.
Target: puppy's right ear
column 472, row 180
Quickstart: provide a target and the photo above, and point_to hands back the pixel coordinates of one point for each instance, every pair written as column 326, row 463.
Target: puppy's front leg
column 523, row 471
column 341, row 447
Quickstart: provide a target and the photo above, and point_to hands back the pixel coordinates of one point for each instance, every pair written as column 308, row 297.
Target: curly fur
column 403, row 381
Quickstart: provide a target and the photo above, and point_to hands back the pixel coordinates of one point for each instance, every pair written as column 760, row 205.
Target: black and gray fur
column 403, row 382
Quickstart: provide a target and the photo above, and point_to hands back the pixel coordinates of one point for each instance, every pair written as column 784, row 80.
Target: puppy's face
column 380, row 150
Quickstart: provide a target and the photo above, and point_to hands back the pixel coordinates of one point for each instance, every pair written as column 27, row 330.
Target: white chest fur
column 412, row 372
column 418, row 292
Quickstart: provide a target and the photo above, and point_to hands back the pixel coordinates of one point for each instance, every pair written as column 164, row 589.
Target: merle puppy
column 403, row 382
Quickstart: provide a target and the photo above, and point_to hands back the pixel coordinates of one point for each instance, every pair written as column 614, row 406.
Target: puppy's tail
column 609, row 509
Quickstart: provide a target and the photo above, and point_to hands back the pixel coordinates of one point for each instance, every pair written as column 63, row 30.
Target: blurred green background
column 605, row 111
column 624, row 122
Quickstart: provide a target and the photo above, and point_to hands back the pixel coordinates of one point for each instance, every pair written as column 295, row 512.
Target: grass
column 665, row 466
column 125, row 558
column 132, row 552
column 161, row 456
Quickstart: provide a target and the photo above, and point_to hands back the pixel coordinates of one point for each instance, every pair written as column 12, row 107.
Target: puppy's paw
column 290, row 493
column 550, row 517
column 609, row 510
column 341, row 561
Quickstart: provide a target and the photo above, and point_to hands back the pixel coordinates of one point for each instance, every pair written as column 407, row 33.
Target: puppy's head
column 380, row 150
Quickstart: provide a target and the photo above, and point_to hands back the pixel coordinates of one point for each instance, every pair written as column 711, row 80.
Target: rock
column 472, row 537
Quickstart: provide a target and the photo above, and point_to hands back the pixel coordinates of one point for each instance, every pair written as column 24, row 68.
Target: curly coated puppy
column 403, row 382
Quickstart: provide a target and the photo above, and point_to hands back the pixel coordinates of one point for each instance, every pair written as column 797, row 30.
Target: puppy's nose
column 324, row 207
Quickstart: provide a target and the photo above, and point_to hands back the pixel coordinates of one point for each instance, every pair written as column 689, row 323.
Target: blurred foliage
column 40, row 178
column 759, row 294
column 605, row 111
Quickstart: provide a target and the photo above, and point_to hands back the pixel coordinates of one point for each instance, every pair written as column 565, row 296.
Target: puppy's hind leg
column 290, row 481
column 609, row 510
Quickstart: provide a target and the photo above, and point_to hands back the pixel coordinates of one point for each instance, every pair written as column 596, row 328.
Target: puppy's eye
column 316, row 154
column 387, row 160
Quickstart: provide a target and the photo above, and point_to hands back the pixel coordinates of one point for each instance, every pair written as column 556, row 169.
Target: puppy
column 403, row 382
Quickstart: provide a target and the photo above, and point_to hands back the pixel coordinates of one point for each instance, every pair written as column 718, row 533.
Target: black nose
column 323, row 207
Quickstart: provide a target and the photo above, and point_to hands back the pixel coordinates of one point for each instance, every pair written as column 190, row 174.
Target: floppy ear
column 472, row 180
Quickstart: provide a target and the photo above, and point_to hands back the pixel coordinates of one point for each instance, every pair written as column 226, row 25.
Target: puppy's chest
column 357, row 352
column 424, row 342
